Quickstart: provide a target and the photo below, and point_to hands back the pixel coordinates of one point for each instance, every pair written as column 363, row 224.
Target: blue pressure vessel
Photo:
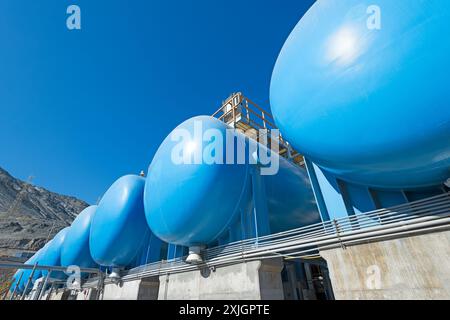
column 193, row 203
column 361, row 88
column 35, row 259
column 118, row 228
column 75, row 250
column 52, row 254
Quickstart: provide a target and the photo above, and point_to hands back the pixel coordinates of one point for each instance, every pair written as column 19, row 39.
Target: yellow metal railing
column 248, row 117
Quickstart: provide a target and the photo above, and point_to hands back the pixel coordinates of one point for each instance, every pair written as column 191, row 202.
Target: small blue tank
column 194, row 204
column 52, row 255
column 35, row 259
column 75, row 250
column 361, row 88
column 118, row 228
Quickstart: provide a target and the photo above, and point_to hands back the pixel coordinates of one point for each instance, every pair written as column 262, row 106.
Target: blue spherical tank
column 75, row 250
column 118, row 228
column 192, row 201
column 361, row 88
column 52, row 254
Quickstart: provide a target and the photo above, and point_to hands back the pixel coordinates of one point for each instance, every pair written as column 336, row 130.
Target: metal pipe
column 44, row 285
column 405, row 212
column 15, row 288
column 388, row 236
column 11, row 265
column 332, row 237
column 30, row 278
column 344, row 238
column 258, row 254
column 300, row 254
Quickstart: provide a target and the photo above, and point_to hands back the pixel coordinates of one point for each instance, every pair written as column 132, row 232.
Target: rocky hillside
column 29, row 214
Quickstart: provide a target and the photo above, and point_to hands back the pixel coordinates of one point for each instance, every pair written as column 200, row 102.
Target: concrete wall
column 256, row 280
column 416, row 267
column 142, row 289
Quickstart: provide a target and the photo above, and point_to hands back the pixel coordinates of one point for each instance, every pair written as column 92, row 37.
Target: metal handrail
column 240, row 106
column 432, row 214
column 13, row 265
column 48, row 279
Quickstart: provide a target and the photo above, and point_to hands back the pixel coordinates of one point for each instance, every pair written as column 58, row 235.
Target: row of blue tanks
column 178, row 204
column 366, row 103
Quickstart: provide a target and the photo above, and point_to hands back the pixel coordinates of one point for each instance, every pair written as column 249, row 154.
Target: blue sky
column 79, row 109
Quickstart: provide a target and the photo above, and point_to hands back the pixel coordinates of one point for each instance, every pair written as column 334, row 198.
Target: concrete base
column 142, row 289
column 256, row 280
column 416, row 267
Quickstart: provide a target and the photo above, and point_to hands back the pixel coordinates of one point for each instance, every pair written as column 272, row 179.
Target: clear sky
column 79, row 109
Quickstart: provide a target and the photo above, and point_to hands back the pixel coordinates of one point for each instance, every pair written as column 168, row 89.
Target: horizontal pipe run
column 320, row 243
column 10, row 265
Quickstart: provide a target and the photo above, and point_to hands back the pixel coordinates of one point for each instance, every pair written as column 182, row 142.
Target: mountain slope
column 29, row 214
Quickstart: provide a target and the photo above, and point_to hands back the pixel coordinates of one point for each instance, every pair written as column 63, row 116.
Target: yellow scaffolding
column 247, row 117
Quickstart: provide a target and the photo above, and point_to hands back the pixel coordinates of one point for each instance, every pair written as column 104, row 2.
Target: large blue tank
column 118, row 228
column 52, row 254
column 75, row 250
column 362, row 90
column 193, row 204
